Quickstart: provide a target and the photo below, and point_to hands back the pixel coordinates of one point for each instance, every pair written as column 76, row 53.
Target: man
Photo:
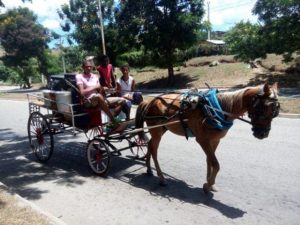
column 107, row 78
column 90, row 88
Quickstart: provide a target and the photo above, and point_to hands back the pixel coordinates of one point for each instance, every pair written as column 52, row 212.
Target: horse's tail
column 140, row 117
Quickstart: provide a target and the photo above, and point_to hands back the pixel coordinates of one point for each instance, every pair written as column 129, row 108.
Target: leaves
column 83, row 16
column 281, row 27
column 278, row 33
column 244, row 41
column 20, row 35
column 23, row 40
column 160, row 27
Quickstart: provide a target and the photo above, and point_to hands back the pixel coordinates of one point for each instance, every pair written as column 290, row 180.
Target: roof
column 216, row 42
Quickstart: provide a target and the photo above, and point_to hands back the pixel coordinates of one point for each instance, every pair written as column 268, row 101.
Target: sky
column 224, row 14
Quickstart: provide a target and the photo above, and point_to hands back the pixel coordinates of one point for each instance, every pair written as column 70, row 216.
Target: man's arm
column 113, row 78
column 83, row 90
column 133, row 85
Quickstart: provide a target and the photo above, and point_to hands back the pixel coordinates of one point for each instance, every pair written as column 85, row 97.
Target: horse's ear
column 275, row 86
column 275, row 89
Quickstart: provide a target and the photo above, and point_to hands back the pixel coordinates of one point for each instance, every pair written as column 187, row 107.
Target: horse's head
column 264, row 106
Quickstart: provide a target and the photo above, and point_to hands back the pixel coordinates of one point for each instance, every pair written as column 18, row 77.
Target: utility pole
column 101, row 27
column 208, row 19
column 62, row 55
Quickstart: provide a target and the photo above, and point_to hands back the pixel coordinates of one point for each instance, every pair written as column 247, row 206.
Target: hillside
column 228, row 73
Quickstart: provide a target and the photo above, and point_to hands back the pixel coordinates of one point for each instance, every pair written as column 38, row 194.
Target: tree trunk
column 27, row 84
column 170, row 74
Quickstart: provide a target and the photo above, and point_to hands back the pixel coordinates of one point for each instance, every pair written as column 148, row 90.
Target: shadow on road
column 18, row 169
column 177, row 189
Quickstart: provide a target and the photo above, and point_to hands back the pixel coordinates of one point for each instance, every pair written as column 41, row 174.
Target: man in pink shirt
column 90, row 89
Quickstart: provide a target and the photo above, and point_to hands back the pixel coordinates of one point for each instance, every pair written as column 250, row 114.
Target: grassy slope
column 235, row 74
column 231, row 75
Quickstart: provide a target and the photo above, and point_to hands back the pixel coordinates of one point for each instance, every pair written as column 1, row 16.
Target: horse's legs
column 212, row 164
column 209, row 162
column 156, row 135
column 148, row 159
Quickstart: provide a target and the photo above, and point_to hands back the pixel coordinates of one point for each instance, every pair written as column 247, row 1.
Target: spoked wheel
column 138, row 146
column 98, row 156
column 40, row 136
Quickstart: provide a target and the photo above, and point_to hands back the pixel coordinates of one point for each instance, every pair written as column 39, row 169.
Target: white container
column 50, row 99
column 63, row 99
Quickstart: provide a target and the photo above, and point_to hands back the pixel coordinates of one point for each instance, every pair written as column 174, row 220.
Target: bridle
column 259, row 106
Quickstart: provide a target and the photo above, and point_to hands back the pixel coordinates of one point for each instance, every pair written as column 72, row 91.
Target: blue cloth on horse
column 218, row 121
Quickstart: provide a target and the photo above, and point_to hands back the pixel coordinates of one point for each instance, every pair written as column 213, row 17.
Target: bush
column 6, row 73
column 134, row 59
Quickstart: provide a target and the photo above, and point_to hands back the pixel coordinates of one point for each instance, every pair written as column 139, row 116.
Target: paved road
column 258, row 182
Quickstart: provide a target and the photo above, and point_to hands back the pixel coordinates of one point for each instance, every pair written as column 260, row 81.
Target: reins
column 154, row 126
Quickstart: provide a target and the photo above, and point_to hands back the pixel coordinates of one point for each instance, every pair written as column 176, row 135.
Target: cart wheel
column 138, row 146
column 40, row 136
column 98, row 156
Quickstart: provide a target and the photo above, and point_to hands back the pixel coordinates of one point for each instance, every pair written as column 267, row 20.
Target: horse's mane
column 232, row 101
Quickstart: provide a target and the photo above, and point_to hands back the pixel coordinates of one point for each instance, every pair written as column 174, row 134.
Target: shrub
column 134, row 59
column 6, row 73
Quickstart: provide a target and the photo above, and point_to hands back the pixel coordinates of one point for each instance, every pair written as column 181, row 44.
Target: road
column 258, row 182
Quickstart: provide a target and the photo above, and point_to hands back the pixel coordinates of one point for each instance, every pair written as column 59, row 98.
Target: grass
column 230, row 73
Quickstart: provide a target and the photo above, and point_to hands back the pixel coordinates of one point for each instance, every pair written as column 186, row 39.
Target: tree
column 73, row 58
column 161, row 26
column 83, row 15
column 6, row 73
column 281, row 26
column 49, row 63
column 2, row 4
column 244, row 41
column 22, row 38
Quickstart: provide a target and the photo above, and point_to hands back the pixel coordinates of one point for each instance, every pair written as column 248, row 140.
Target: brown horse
column 260, row 102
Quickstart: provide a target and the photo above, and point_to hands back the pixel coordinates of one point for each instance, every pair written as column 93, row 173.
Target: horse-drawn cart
column 51, row 114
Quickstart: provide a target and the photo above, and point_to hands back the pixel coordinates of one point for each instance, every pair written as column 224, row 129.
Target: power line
column 230, row 6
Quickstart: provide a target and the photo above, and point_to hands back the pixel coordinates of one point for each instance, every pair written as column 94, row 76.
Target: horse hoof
column 209, row 188
column 213, row 188
column 149, row 173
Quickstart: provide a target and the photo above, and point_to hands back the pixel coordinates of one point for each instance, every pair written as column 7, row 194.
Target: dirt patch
column 14, row 212
column 289, row 105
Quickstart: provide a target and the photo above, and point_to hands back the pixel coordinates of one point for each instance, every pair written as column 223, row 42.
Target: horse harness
column 213, row 113
column 207, row 101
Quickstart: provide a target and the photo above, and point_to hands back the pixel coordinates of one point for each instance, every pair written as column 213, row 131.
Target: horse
column 165, row 112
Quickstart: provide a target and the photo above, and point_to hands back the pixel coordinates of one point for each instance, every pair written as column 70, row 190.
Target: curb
column 289, row 115
column 52, row 219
